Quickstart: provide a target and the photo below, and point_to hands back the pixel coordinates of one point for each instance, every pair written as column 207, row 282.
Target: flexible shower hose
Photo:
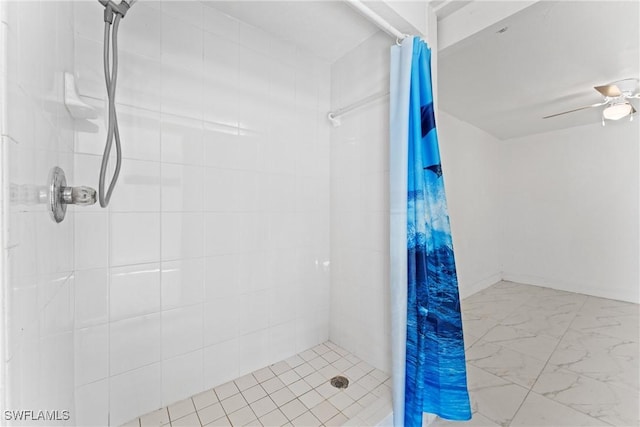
column 111, row 77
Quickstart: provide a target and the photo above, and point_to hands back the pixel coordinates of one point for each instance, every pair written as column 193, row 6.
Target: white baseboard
column 628, row 296
column 466, row 290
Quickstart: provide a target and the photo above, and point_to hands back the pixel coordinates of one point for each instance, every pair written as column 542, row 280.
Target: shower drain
column 340, row 382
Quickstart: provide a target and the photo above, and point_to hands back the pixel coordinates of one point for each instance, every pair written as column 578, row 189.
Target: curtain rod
column 376, row 19
column 334, row 116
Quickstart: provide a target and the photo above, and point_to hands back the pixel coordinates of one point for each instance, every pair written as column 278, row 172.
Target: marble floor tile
column 477, row 379
column 477, row 326
column 469, row 340
column 499, row 402
column 544, row 291
column 538, row 346
column 605, row 306
column 609, row 403
column 608, row 322
column 477, row 420
column 600, row 357
column 492, row 306
column 505, row 363
column 538, row 411
column 558, row 301
column 541, row 320
column 492, row 397
column 505, row 287
column 556, row 359
column 516, row 292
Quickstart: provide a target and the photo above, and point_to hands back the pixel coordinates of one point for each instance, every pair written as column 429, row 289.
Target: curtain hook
column 400, row 39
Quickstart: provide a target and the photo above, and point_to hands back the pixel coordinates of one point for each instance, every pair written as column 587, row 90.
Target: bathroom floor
column 535, row 357
column 293, row 392
column 541, row 357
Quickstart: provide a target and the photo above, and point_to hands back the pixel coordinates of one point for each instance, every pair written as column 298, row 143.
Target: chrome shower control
column 79, row 196
column 60, row 195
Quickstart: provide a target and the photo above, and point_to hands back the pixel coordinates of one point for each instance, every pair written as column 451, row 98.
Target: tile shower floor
column 542, row 357
column 293, row 392
column 535, row 357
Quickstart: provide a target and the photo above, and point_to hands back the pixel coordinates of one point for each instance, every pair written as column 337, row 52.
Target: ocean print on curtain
column 435, row 371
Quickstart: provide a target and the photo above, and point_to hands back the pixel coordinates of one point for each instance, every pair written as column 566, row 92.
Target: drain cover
column 340, row 382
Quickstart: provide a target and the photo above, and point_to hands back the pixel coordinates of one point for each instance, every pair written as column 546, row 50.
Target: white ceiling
column 326, row 29
column 547, row 61
column 444, row 8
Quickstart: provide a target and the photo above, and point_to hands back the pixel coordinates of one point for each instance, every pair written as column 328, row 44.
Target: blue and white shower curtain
column 429, row 372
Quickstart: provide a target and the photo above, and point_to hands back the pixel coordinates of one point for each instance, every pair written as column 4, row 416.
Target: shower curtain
column 429, row 373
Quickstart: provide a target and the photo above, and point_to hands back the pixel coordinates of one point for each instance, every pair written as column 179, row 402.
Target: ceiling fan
column 616, row 98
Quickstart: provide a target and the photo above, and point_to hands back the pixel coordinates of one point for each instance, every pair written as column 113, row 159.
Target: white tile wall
column 36, row 134
column 92, row 404
column 182, row 235
column 135, row 238
column 132, row 391
column 359, row 206
column 221, row 362
column 134, row 343
column 134, row 290
column 91, row 252
column 181, row 330
column 92, row 354
column 182, row 376
column 182, row 283
column 212, row 260
column 221, row 320
column 138, row 187
column 220, row 219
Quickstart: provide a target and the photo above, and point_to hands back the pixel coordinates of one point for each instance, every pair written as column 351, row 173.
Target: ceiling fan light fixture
column 617, row 111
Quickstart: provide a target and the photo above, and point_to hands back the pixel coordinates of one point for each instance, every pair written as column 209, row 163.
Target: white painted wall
column 471, row 163
column 570, row 210
column 557, row 209
column 565, row 202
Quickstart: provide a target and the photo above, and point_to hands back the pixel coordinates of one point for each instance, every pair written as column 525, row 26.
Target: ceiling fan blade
column 609, row 90
column 576, row 109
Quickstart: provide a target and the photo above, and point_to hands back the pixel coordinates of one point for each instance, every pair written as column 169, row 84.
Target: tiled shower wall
column 212, row 259
column 38, row 279
column 360, row 205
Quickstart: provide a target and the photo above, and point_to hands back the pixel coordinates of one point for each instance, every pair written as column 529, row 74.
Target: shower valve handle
column 59, row 195
column 83, row 196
